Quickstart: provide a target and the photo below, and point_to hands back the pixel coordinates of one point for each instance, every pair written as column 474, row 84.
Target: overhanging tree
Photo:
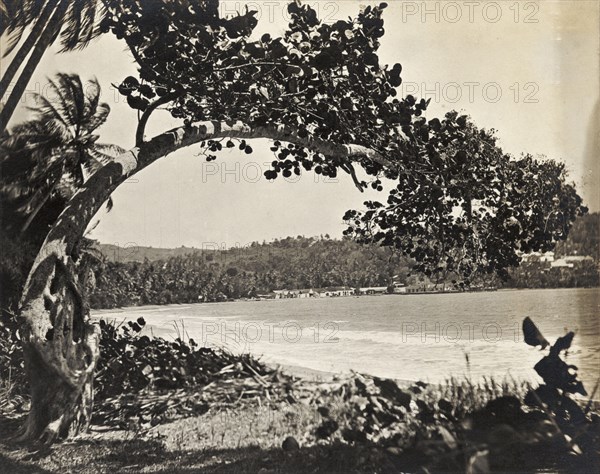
column 321, row 95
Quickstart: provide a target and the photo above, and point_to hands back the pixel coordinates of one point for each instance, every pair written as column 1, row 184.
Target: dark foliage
column 12, row 370
column 146, row 380
column 457, row 203
column 448, row 429
column 536, row 274
column 475, row 209
column 150, row 379
column 532, row 335
column 560, row 378
column 132, row 362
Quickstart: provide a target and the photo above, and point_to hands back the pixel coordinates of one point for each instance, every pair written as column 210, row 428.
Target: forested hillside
column 301, row 262
column 145, row 275
column 583, row 239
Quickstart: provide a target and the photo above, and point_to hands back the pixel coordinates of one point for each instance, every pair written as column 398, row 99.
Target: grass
column 226, row 413
column 247, row 437
column 467, row 396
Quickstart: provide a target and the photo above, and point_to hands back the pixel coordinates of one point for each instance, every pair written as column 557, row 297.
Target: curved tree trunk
column 61, row 343
column 42, row 44
column 37, row 209
column 25, row 48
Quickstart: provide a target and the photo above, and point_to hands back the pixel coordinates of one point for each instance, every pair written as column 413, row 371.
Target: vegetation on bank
column 172, row 403
column 245, row 272
column 138, row 276
column 301, row 262
column 583, row 240
column 457, row 204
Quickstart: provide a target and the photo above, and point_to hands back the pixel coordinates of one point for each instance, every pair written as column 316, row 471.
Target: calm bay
column 407, row 337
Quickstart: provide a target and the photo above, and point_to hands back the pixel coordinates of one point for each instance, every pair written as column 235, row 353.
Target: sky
column 529, row 69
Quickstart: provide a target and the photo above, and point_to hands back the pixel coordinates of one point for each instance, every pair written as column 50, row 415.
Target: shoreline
column 149, row 307
column 369, row 342
column 315, row 375
column 305, row 373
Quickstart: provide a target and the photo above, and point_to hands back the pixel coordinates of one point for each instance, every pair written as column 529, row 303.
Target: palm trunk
column 37, row 209
column 44, row 41
column 25, row 48
column 61, row 344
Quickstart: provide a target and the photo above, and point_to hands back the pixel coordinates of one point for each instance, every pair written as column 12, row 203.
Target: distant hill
column 584, row 239
column 147, row 275
column 135, row 253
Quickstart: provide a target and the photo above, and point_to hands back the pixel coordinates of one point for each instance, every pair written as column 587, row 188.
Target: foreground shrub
column 141, row 377
column 12, row 369
column 145, row 379
column 473, row 428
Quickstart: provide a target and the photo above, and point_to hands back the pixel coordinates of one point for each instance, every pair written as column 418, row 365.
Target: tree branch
column 71, row 224
column 141, row 128
column 348, row 168
column 188, row 135
column 256, row 63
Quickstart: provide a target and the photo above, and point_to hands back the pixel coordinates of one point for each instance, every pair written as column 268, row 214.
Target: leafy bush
column 131, row 362
column 11, row 353
column 465, row 427
column 142, row 379
column 134, row 368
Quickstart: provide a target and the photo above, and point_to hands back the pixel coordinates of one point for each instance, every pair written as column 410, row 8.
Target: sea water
column 409, row 337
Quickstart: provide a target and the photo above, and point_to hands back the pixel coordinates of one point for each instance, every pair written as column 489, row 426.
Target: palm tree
column 74, row 21
column 53, row 153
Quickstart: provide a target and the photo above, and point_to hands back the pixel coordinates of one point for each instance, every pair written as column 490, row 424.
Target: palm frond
column 71, row 33
column 4, row 15
column 109, row 150
column 47, row 171
column 17, row 190
column 81, row 22
column 99, row 117
column 78, row 95
column 15, row 15
column 34, row 201
column 57, row 149
column 64, row 103
column 44, row 108
column 92, row 94
column 15, row 166
column 89, row 248
column 68, row 185
column 92, row 163
column 27, row 145
column 12, row 40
